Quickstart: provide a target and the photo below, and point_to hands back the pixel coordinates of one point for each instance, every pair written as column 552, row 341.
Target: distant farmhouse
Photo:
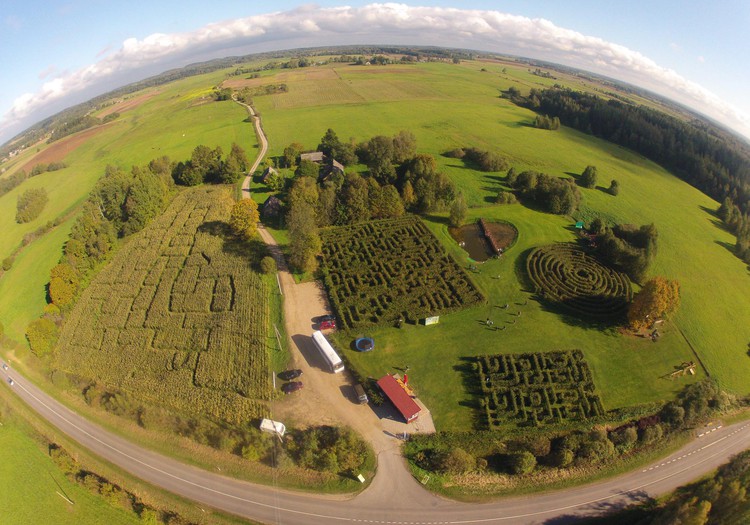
column 271, row 208
column 328, row 168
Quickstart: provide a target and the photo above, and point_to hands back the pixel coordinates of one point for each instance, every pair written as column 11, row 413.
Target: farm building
column 398, row 396
column 313, row 156
column 334, row 168
column 267, row 173
column 272, row 207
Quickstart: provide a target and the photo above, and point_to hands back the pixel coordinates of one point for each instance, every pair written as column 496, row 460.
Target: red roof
column 398, row 396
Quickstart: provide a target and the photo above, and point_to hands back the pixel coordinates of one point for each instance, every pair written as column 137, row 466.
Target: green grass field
column 452, row 106
column 32, row 485
column 448, row 106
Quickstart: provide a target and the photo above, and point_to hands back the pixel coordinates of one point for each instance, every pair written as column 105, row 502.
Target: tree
column 658, row 298
column 407, row 194
column 41, row 335
column 614, row 187
column 63, row 284
column 291, row 153
column 379, row 159
column 355, row 199
column 308, row 168
column 404, row 146
column 235, row 165
column 588, row 177
column 243, row 219
column 385, row 202
column 458, row 211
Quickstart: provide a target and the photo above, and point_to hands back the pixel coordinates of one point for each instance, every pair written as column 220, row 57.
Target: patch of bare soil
column 127, row 104
column 60, row 149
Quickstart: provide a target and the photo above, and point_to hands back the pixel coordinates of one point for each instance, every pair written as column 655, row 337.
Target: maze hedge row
column 175, row 319
column 536, row 389
column 379, row 271
column 564, row 274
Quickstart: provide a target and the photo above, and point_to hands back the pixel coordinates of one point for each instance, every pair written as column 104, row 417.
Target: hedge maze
column 564, row 274
column 536, row 389
column 176, row 319
column 380, row 271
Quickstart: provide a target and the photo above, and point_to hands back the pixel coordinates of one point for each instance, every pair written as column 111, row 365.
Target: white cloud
column 675, row 47
column 701, row 59
column 388, row 23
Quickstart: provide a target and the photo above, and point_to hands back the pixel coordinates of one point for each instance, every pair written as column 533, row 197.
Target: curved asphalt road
column 384, row 502
column 392, row 498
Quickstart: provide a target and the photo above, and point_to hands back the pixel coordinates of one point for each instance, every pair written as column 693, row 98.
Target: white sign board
column 431, row 320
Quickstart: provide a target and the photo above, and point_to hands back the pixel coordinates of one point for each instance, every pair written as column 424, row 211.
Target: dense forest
column 715, row 163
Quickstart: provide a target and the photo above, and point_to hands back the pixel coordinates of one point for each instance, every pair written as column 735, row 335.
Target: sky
column 56, row 53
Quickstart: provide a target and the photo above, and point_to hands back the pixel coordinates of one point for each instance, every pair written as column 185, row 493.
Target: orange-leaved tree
column 658, row 297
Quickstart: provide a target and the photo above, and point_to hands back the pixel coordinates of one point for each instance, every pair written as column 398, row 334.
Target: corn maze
column 536, row 389
column 175, row 319
column 565, row 275
column 380, row 271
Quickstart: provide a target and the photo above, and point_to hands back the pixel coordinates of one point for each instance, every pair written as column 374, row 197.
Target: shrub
column 457, row 153
column 562, row 457
column 521, row 462
column 624, row 438
column 455, row 461
column 652, row 433
column 614, row 187
column 505, row 197
column 8, row 263
column 267, row 265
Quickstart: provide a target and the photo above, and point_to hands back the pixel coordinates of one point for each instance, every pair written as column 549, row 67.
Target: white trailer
column 272, row 427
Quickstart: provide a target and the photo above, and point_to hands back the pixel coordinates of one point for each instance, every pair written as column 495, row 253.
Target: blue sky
column 54, row 53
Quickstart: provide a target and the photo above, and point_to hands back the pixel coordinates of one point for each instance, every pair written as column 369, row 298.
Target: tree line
column 713, row 162
column 120, row 204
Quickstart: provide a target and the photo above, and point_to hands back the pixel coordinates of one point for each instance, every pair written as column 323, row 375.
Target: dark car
column 288, row 375
column 293, row 386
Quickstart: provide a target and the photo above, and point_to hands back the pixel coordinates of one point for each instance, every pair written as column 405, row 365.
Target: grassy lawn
column 449, row 106
column 23, row 288
column 32, row 485
column 626, row 370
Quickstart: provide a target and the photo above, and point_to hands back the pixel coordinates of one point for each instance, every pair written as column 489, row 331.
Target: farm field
column 31, row 485
column 458, row 105
column 382, row 271
column 172, row 121
column 178, row 317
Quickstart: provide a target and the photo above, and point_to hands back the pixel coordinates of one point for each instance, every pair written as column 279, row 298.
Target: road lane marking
column 342, row 518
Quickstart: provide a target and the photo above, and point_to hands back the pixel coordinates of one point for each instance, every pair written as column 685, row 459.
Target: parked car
column 11, row 382
column 288, row 375
column 292, row 386
column 5, row 366
column 326, row 322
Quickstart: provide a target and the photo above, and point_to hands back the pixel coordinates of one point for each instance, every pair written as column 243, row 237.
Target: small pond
column 473, row 241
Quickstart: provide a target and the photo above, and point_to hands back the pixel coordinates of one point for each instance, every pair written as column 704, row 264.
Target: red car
column 327, row 322
column 292, row 386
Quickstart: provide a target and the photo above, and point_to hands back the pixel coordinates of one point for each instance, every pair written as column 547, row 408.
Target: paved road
column 387, row 500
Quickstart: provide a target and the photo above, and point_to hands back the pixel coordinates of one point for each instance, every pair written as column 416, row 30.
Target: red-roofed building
column 398, row 396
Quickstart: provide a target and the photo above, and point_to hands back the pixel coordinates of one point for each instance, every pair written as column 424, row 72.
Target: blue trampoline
column 364, row 344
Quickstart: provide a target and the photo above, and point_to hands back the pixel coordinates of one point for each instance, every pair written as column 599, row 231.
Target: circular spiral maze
column 564, row 274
